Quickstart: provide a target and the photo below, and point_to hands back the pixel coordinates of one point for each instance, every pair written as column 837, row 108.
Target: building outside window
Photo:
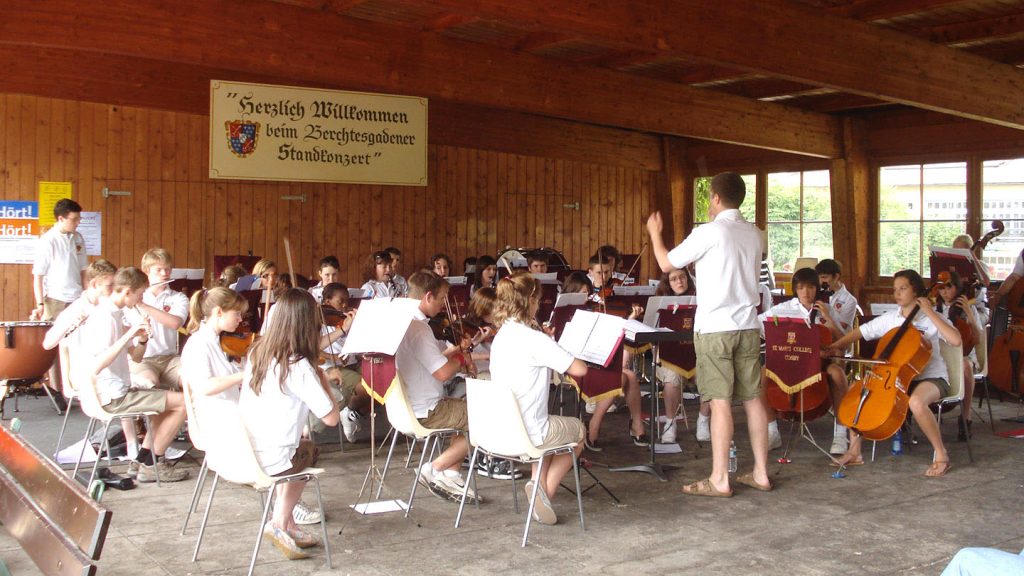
column 918, row 207
column 1002, row 188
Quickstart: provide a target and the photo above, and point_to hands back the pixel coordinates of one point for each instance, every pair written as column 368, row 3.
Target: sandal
column 838, row 462
column 748, row 480
column 938, row 468
column 705, row 488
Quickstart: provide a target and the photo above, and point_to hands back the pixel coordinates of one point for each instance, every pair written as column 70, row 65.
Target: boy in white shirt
column 168, row 311
column 425, row 366
column 108, row 343
column 58, row 271
column 805, row 284
column 842, row 302
column 99, row 282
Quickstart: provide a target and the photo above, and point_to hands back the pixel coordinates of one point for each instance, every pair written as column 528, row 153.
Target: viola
column 876, row 404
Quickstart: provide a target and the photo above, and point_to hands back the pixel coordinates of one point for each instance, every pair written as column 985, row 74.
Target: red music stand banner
column 601, row 382
column 792, row 353
column 679, row 357
column 379, row 372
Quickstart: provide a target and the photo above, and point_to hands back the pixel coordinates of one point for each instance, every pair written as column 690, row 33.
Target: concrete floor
column 883, row 518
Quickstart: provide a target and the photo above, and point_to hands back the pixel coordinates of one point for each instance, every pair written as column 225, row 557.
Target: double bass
column 876, row 404
column 1006, row 359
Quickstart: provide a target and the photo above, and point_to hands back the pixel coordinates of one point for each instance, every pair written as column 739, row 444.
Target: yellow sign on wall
column 49, row 194
column 266, row 132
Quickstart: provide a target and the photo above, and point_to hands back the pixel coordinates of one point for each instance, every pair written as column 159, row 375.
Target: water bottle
column 897, row 444
column 732, row 458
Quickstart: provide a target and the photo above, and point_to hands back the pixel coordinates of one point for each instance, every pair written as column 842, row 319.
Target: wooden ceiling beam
column 446, row 22
column 538, row 40
column 303, row 46
column 873, row 10
column 988, row 29
column 787, row 41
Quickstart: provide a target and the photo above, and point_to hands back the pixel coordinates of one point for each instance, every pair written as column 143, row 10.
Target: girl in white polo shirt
column 205, row 367
column 281, row 385
column 522, row 357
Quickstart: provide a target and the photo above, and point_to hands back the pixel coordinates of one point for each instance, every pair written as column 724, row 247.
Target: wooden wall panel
column 477, row 201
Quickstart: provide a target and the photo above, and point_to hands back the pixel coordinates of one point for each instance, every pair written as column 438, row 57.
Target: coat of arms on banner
column 242, row 137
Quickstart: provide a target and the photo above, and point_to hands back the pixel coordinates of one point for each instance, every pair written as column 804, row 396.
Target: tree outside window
column 799, row 217
column 702, row 196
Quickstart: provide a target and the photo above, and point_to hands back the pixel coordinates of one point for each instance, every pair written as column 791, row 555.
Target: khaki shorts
column 52, row 308
column 306, row 454
column 941, row 383
column 165, row 367
column 448, row 413
column 728, row 365
column 136, row 401
column 563, row 430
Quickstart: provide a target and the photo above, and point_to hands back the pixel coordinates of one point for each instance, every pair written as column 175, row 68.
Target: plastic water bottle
column 897, row 444
column 732, row 458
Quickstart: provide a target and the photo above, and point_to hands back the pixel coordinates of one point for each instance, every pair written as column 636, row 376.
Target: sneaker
column 426, row 475
column 498, row 469
column 149, row 473
column 173, row 453
column 305, row 515
column 774, row 439
column 592, row 445
column 703, row 428
column 304, row 539
column 452, row 484
column 133, row 469
column 839, row 445
column 641, row 440
column 283, row 542
column 542, row 510
column 350, row 424
column 668, row 436
column 591, row 407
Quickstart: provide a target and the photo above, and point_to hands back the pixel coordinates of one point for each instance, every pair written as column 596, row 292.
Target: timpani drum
column 22, row 356
column 517, row 258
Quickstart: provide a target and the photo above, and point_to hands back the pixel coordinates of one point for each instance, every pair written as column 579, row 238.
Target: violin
column 333, row 317
column 876, row 404
column 236, row 344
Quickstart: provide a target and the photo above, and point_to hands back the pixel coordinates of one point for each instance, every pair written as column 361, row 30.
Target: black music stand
column 655, row 339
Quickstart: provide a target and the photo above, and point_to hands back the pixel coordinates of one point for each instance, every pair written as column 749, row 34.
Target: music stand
column 785, row 337
column 376, row 334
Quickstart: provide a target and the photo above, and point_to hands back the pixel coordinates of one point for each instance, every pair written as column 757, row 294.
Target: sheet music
column 380, row 326
column 359, row 293
column 187, row 273
column 570, row 300
column 634, row 327
column 633, row 290
column 655, row 304
column 592, row 337
column 547, row 277
column 653, row 282
column 980, row 269
column 455, row 280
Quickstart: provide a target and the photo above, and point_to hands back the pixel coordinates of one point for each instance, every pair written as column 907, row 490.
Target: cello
column 876, row 404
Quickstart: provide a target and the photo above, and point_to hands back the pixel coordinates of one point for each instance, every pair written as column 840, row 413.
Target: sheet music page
column 359, row 293
column 455, row 280
column 547, row 277
column 592, row 337
column 656, row 304
column 633, row 290
column 570, row 300
column 380, row 326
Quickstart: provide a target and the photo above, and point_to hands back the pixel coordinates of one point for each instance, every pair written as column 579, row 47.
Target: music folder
column 593, row 337
column 380, row 325
column 656, row 304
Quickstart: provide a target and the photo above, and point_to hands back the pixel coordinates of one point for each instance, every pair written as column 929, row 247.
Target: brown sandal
column 748, row 480
column 705, row 488
column 938, row 468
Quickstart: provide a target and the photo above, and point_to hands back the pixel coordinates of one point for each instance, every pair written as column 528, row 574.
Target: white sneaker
column 774, row 439
column 668, row 436
column 452, row 484
column 839, row 445
column 703, row 428
column 303, row 514
column 542, row 510
column 426, row 475
column 350, row 424
column 172, row 453
column 591, row 407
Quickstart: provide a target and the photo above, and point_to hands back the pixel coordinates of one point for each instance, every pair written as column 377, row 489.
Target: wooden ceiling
column 766, row 73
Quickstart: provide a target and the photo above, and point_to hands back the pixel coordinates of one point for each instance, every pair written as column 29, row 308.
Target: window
column 799, row 217
column 1002, row 183
column 702, row 195
column 909, row 220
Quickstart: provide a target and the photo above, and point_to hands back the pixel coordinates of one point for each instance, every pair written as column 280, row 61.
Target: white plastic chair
column 981, row 350
column 229, row 454
column 89, row 399
column 195, row 434
column 404, row 421
column 498, row 430
column 953, row 356
column 64, row 359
